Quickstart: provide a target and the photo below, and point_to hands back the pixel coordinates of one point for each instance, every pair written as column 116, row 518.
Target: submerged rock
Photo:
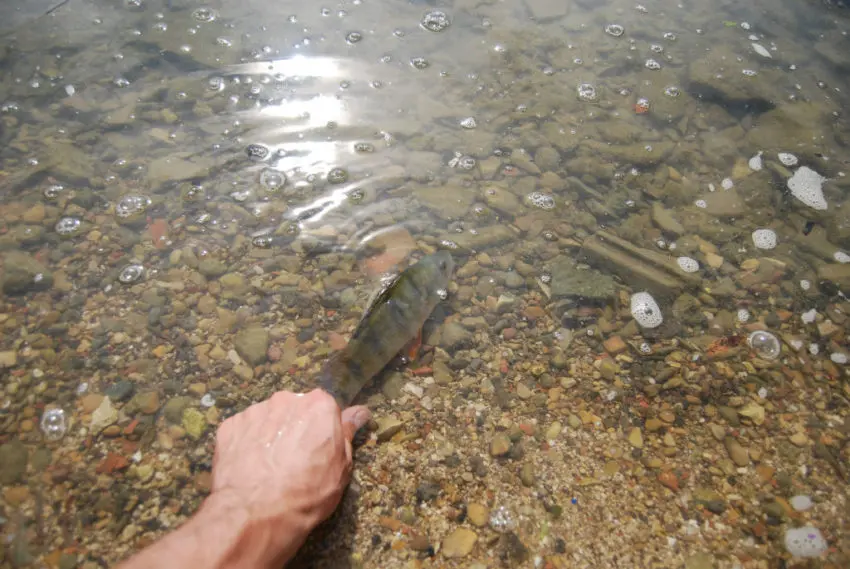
column 22, row 273
column 570, row 281
column 252, row 344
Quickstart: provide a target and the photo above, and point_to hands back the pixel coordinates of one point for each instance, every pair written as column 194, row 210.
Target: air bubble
column 672, row 91
column 207, row 400
column 435, row 21
column 701, row 204
column 586, row 92
column 205, row 15
column 353, row 37
column 419, row 62
column 257, row 152
column 131, row 273
column 541, row 200
column 669, row 36
column 272, row 180
column 743, row 315
column 468, row 123
column 54, row 424
column 68, row 226
column 501, row 520
column 749, row 72
column 615, row 30
column 131, row 204
column 764, row 344
column 652, row 64
column 337, row 176
column 52, row 192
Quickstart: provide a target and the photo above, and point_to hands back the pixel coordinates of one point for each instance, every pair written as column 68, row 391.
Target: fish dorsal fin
column 380, row 296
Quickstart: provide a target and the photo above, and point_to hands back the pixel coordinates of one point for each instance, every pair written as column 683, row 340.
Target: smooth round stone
column 801, row 503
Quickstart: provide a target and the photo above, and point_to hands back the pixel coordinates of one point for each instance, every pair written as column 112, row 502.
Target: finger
column 353, row 418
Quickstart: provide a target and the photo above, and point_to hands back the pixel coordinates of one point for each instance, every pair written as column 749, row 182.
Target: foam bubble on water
column 688, row 264
column 755, row 163
column 615, row 30
column 761, row 50
column 765, row 344
column 586, row 92
column 805, row 284
column 838, row 357
column 787, row 158
column 809, row 316
column 807, row 186
column 764, row 238
column 131, row 273
column 806, row 541
column 54, row 424
column 841, row 257
column 131, row 204
column 652, row 64
column 541, row 200
column 207, row 400
column 645, row 310
column 435, row 21
column 801, row 503
column 501, row 520
column 67, row 225
column 468, row 123
column 727, row 184
column 701, row 203
column 743, row 315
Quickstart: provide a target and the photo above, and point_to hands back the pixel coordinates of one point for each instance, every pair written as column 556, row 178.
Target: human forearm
column 224, row 534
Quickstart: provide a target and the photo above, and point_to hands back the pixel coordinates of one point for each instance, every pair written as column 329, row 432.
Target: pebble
column 553, row 431
column 459, row 543
column 526, row 475
column 387, row 427
column 636, row 438
column 737, row 453
column 252, row 345
column 799, row 439
column 478, row 514
column 500, row 445
column 8, row 358
column 147, row 402
column 614, row 345
column 653, row 425
column 103, row 416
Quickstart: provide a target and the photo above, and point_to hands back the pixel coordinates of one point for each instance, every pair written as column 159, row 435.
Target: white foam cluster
column 755, row 163
column 841, row 257
column 701, row 203
column 761, row 50
column 645, row 310
column 687, row 264
column 743, row 315
column 806, row 541
column 764, row 238
column 787, row 158
column 807, row 186
column 805, row 284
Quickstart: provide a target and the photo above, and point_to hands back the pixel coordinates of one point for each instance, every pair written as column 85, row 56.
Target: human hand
column 287, row 460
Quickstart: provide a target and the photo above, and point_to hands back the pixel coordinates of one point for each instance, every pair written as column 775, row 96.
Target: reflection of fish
column 393, row 319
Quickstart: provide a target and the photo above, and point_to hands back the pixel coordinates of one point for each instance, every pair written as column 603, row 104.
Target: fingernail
column 361, row 417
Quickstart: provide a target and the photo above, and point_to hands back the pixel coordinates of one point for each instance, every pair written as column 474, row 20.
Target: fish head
column 435, row 272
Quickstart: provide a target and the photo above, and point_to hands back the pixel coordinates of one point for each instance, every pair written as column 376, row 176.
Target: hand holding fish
column 280, row 469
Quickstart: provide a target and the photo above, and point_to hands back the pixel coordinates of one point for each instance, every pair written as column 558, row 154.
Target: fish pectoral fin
column 411, row 350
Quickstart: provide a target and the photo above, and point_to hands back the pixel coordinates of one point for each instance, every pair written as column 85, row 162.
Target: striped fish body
column 391, row 321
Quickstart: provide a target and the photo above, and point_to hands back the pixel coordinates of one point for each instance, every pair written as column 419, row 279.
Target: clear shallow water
column 172, row 174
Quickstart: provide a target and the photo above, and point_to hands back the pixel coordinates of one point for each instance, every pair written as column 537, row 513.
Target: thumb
column 353, row 418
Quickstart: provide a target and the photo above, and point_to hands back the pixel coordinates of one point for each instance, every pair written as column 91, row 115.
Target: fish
column 393, row 318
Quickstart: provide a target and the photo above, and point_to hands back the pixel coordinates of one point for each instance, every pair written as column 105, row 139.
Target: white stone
column 755, row 163
column 806, row 541
column 801, row 503
column 839, row 358
column 809, row 316
column 807, row 186
column 841, row 257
